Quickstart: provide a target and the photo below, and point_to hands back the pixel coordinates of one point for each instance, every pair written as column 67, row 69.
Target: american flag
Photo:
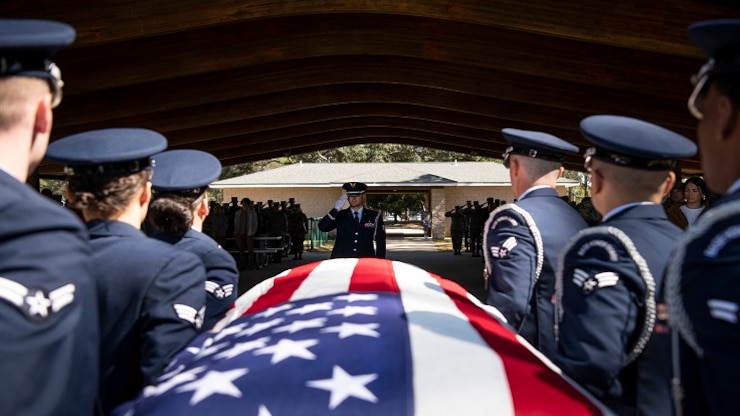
column 360, row 337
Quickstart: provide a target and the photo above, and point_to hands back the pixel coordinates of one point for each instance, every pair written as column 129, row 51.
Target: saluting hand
column 340, row 202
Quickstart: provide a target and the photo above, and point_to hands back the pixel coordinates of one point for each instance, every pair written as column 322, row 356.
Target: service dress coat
column 703, row 294
column 48, row 311
column 151, row 301
column 611, row 331
column 522, row 244
column 222, row 275
column 355, row 239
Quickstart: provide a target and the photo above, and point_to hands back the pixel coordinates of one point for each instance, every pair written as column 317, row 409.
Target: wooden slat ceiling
column 253, row 80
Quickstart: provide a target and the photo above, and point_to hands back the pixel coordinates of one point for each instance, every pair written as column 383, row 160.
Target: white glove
column 340, row 202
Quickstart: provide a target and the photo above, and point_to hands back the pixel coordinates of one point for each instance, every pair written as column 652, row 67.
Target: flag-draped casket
column 360, row 337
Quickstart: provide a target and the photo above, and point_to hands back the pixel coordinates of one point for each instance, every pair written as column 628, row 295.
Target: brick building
column 317, row 185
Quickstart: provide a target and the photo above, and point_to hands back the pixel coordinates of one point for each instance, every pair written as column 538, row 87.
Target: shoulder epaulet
column 678, row 317
column 605, row 237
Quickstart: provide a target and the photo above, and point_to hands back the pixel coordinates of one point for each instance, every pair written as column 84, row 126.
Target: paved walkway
column 465, row 270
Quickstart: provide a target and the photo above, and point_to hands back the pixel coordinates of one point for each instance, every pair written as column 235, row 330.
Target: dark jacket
column 355, row 239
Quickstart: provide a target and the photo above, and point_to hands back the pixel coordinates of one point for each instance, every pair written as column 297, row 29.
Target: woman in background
column 694, row 194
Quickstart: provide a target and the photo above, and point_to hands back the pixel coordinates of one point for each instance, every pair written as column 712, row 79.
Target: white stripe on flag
column 327, row 278
column 461, row 353
column 245, row 301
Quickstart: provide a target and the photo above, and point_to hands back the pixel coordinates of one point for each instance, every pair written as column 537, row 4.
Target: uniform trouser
column 245, row 244
column 457, row 236
column 475, row 242
column 297, row 242
column 466, row 237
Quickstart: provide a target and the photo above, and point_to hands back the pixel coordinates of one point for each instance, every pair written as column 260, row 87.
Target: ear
column 203, row 208
column 670, row 180
column 43, row 119
column 146, row 194
column 560, row 172
column 727, row 116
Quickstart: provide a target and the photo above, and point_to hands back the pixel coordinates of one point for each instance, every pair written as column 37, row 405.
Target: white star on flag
column 206, row 349
column 287, row 348
column 296, row 326
column 343, row 385
column 354, row 297
column 214, row 382
column 253, row 329
column 242, row 347
column 347, row 329
column 263, row 411
column 273, row 310
column 228, row 331
column 323, row 306
column 354, row 310
column 173, row 381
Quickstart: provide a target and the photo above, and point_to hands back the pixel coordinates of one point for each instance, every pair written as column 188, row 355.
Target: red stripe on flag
column 373, row 275
column 535, row 388
column 283, row 288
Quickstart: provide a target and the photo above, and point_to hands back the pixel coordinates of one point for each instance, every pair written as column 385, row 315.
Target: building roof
column 420, row 174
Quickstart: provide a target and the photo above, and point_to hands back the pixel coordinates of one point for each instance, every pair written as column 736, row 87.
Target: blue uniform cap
column 354, row 188
column 719, row 40
column 26, row 48
column 117, row 151
column 634, row 143
column 536, row 144
column 185, row 171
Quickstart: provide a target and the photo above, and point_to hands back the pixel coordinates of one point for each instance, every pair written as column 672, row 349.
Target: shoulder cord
column 649, row 321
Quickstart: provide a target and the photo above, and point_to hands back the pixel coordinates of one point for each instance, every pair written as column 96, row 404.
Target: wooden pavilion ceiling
column 252, row 80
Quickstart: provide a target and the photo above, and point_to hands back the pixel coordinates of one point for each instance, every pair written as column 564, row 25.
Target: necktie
column 357, row 217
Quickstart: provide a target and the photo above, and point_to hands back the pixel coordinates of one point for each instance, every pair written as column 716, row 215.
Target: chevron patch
column 502, row 251
column 723, row 310
column 589, row 283
column 190, row 314
column 218, row 291
column 33, row 302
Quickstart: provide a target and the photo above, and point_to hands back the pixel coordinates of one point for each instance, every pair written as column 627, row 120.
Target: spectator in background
column 675, row 197
column 694, row 197
column 588, row 212
column 219, row 224
column 298, row 227
column 457, row 228
column 245, row 228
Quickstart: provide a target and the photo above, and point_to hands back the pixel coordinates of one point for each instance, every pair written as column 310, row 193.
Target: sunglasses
column 56, row 84
column 506, row 155
column 699, row 80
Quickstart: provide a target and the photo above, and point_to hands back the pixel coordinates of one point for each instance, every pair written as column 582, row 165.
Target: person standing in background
column 360, row 231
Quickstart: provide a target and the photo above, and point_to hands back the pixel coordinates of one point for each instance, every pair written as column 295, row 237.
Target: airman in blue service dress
column 611, row 330
column 523, row 240
column 358, row 228
column 150, row 294
column 180, row 204
column 48, row 312
column 703, row 280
